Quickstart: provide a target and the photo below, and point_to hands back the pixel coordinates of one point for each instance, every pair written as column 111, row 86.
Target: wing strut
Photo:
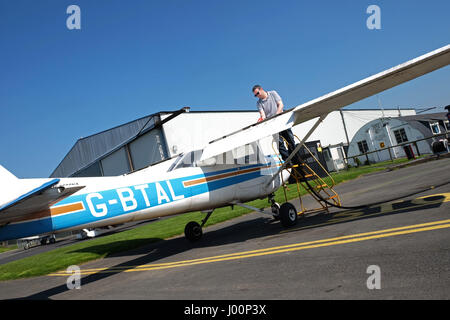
column 297, row 148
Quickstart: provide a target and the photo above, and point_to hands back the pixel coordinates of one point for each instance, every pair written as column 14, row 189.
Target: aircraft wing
column 34, row 196
column 321, row 106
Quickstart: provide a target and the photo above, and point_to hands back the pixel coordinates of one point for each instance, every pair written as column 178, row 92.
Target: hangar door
column 141, row 152
column 148, row 149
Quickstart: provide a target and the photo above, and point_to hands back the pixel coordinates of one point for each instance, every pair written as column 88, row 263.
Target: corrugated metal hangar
column 386, row 132
column 148, row 140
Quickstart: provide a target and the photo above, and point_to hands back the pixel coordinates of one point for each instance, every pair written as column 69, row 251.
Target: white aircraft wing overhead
column 321, row 106
column 33, row 196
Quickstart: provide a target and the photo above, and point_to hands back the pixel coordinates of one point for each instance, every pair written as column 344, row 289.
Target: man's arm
column 280, row 107
column 263, row 115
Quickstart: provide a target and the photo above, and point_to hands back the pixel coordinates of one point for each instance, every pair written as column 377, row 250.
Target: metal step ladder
column 308, row 179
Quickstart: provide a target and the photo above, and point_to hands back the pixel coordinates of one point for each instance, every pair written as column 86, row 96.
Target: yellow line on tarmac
column 274, row 250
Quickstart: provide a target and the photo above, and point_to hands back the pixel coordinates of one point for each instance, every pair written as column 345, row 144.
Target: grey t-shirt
column 269, row 105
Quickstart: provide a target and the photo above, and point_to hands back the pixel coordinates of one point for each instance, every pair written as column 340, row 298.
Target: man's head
column 259, row 92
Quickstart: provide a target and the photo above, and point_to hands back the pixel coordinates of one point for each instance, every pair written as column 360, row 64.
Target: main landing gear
column 193, row 231
column 300, row 170
column 275, row 206
column 286, row 213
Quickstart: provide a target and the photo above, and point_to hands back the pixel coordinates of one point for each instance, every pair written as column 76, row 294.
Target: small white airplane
column 231, row 170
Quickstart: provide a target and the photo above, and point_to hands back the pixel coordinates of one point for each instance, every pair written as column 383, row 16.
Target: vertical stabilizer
column 8, row 182
column 6, row 176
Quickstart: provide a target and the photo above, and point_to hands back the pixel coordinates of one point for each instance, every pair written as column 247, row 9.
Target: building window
column 435, row 128
column 363, row 147
column 400, row 136
column 447, row 125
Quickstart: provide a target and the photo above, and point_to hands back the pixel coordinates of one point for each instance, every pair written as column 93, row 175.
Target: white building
column 392, row 131
column 339, row 128
column 142, row 142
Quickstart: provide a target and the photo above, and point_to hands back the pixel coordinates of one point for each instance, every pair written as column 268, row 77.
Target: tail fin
column 6, row 176
column 8, row 182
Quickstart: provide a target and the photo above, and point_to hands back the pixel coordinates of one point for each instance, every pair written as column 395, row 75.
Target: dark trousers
column 288, row 135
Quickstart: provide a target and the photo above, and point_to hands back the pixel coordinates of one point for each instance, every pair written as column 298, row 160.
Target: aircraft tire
column 193, row 232
column 288, row 215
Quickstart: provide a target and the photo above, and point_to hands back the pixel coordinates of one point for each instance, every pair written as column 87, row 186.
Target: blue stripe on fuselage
column 116, row 202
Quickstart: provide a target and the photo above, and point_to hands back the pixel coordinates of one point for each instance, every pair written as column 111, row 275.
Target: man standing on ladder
column 269, row 104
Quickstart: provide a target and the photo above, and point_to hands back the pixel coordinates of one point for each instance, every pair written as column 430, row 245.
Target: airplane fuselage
column 150, row 193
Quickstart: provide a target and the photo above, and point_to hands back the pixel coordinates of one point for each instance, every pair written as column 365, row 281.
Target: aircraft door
column 249, row 159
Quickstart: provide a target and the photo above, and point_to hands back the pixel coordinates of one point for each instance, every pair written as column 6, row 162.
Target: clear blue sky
column 134, row 58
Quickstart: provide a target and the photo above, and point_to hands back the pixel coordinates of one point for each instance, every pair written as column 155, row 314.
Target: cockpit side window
column 244, row 155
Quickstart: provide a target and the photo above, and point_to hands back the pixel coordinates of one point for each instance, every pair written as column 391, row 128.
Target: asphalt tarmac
column 396, row 249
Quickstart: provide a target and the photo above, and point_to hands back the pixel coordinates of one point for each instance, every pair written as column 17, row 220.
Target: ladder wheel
column 288, row 215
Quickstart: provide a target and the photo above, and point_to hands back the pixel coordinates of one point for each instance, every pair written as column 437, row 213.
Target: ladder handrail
column 320, row 184
column 333, row 182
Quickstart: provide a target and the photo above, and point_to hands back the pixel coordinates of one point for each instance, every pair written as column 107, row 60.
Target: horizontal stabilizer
column 26, row 196
column 322, row 106
column 22, row 198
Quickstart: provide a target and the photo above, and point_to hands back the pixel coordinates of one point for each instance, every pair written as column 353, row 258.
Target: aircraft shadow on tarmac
column 263, row 226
